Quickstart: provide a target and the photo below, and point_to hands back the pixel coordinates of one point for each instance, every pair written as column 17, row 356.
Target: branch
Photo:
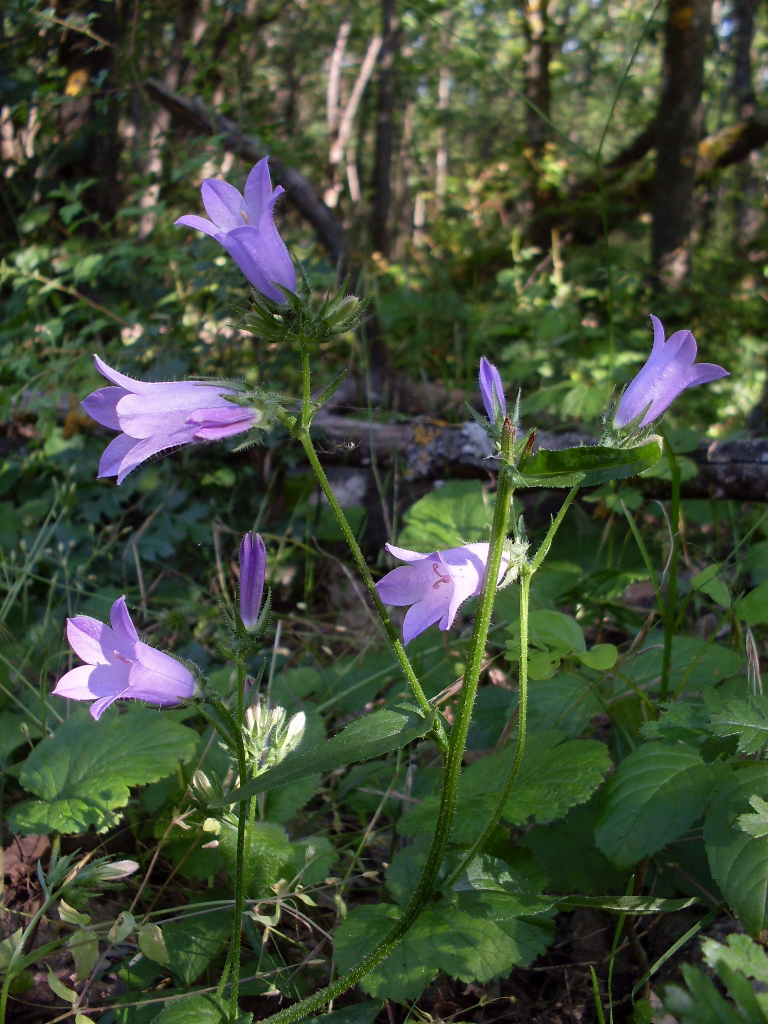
column 299, row 191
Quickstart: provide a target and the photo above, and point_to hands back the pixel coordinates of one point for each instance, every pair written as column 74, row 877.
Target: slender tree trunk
column 748, row 216
column 443, row 102
column 679, row 127
column 538, row 92
column 90, row 146
column 385, row 130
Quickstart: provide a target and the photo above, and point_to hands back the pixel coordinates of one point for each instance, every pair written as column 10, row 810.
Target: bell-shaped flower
column 670, row 369
column 492, row 391
column 245, row 226
column 156, row 416
column 118, row 664
column 434, row 584
column 253, row 564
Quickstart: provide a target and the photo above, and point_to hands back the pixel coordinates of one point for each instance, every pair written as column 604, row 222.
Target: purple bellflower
column 156, row 416
column 118, row 664
column 253, row 564
column 435, row 584
column 669, row 370
column 245, row 227
column 492, row 391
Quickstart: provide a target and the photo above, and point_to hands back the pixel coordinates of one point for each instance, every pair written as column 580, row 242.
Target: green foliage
column 741, row 959
column 652, row 798
column 81, row 776
column 459, row 512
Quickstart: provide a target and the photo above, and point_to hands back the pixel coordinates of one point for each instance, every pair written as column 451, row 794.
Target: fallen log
column 430, row 449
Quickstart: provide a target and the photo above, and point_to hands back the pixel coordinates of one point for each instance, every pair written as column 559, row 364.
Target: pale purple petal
column 223, row 204
column 90, row 639
column 120, row 665
column 157, row 677
column 136, row 387
column 262, row 256
column 669, row 370
column 491, row 388
column 434, row 584
column 216, row 424
column 115, row 455
column 140, row 451
column 191, row 220
column 425, row 613
column 122, row 627
column 258, row 190
column 102, row 406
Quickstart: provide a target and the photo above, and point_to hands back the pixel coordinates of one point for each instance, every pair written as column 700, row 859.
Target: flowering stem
column 243, row 807
column 424, row 893
column 526, row 574
column 671, row 602
column 397, row 645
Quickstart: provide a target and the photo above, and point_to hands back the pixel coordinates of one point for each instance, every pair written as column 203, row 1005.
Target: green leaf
column 756, row 824
column 555, row 775
column 193, row 941
column 83, row 773
column 371, row 736
column 652, row 798
column 194, row 1009
column 746, row 718
column 586, row 466
column 465, row 946
column 358, row 1013
column 456, row 513
column 600, row 657
column 753, row 607
column 271, row 856
column 709, row 582
column 741, row 954
column 152, row 943
column 626, row 904
column 739, row 862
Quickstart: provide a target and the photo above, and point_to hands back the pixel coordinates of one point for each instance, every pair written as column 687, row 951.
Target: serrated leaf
column 586, row 466
column 652, row 798
column 443, row 938
column 741, row 954
column 739, row 862
column 746, row 718
column 83, row 773
column 755, row 824
column 371, row 736
column 555, row 775
column 456, row 513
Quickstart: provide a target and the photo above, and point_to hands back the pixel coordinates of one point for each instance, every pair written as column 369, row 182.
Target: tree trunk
column 679, row 127
column 385, row 129
column 538, row 93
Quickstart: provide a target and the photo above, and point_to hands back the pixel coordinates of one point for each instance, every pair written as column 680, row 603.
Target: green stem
column 17, row 954
column 670, row 611
column 424, row 893
column 233, row 959
column 397, row 645
column 526, row 574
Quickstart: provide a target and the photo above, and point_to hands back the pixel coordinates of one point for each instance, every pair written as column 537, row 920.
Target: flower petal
column 191, row 220
column 223, row 204
column 91, row 640
column 157, row 677
column 258, row 190
column 420, row 616
column 101, row 406
column 122, row 627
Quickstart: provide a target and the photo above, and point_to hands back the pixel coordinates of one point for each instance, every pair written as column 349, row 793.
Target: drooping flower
column 244, row 225
column 253, row 564
column 669, row 370
column 118, row 664
column 156, row 416
column 434, row 584
column 492, row 391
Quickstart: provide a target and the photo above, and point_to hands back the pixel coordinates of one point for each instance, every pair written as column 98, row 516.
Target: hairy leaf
column 83, row 773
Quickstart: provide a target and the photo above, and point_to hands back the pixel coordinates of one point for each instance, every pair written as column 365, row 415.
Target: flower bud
column 253, row 564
